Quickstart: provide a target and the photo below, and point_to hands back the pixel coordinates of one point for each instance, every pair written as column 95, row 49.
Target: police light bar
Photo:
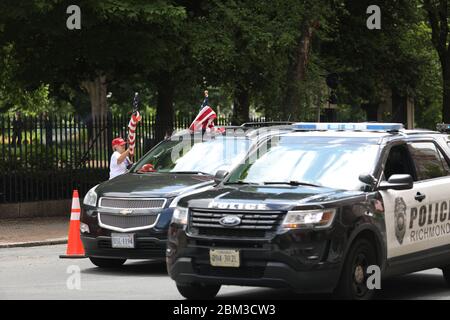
column 356, row 126
column 443, row 127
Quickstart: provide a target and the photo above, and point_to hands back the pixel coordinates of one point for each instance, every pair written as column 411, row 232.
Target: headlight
column 180, row 215
column 90, row 199
column 309, row 218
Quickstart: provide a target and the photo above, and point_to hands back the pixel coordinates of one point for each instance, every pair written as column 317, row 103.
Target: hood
column 277, row 197
column 152, row 184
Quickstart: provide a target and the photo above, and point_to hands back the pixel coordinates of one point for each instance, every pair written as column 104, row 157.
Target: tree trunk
column 297, row 73
column 446, row 93
column 438, row 19
column 371, row 110
column 399, row 107
column 164, row 108
column 99, row 123
column 241, row 103
column 97, row 90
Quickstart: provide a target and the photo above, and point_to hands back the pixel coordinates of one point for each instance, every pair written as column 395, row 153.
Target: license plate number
column 224, row 258
column 122, row 240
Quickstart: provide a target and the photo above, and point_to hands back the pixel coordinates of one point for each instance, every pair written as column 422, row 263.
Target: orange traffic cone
column 74, row 245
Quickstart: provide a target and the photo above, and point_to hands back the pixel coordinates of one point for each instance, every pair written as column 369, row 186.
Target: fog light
column 84, row 228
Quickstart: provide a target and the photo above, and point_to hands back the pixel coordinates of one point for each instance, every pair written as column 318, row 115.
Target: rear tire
column 107, row 262
column 353, row 282
column 198, row 291
column 446, row 272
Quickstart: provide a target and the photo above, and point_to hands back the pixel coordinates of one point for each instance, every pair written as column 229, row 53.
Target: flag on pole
column 132, row 125
column 205, row 119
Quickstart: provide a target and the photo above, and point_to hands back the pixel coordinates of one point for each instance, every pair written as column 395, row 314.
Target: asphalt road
column 38, row 273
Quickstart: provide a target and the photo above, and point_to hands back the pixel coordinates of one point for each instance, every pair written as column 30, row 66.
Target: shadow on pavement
column 415, row 286
column 412, row 286
column 130, row 268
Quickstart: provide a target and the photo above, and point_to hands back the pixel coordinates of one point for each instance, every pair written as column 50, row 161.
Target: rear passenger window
column 428, row 160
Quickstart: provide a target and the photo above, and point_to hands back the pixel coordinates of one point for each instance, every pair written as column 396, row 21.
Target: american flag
column 204, row 120
column 135, row 118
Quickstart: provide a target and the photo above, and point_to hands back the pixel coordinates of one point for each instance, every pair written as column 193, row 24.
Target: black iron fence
column 45, row 158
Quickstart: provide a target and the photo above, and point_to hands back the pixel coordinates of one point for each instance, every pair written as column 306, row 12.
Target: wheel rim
column 359, row 274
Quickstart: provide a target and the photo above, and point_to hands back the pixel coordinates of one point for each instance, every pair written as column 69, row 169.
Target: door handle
column 420, row 197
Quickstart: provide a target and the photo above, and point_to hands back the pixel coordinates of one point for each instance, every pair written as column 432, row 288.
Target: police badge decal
column 400, row 219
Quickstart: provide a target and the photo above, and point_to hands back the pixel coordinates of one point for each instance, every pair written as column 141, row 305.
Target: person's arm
column 123, row 156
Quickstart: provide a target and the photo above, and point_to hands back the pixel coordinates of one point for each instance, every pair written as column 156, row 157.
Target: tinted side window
column 444, row 162
column 398, row 162
column 428, row 160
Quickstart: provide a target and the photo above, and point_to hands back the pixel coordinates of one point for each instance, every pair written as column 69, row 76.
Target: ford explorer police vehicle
column 313, row 209
column 127, row 217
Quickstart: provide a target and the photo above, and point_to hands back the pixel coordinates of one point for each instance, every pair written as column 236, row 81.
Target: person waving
column 119, row 159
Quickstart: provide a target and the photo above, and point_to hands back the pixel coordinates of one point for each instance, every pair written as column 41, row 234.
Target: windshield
column 195, row 155
column 336, row 164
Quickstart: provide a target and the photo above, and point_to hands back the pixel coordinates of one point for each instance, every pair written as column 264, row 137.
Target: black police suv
column 128, row 217
column 327, row 208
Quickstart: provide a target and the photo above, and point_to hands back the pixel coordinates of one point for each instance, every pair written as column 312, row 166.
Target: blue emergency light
column 443, row 127
column 349, row 126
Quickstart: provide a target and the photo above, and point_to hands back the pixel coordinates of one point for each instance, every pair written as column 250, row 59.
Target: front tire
column 107, row 263
column 198, row 291
column 353, row 281
column 446, row 272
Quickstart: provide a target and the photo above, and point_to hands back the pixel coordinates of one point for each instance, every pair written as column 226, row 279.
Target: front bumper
column 274, row 275
column 146, row 248
column 304, row 261
column 149, row 243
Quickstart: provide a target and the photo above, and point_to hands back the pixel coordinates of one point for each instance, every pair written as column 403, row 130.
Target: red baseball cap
column 118, row 142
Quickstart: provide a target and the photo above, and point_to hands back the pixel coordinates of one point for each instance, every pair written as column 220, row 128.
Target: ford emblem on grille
column 230, row 221
column 126, row 212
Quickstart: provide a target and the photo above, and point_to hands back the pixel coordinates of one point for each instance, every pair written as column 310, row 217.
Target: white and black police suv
column 317, row 208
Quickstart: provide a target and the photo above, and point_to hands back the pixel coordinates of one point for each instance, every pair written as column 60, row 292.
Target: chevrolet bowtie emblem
column 126, row 212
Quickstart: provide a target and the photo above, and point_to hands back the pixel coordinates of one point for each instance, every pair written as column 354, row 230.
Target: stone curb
column 47, row 242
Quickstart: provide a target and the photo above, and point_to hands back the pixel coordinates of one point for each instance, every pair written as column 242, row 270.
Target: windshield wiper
column 293, row 183
column 191, row 172
column 241, row 182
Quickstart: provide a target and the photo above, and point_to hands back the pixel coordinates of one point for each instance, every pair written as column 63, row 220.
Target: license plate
column 122, row 240
column 224, row 258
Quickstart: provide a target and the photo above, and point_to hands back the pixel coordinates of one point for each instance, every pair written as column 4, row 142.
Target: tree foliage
column 256, row 57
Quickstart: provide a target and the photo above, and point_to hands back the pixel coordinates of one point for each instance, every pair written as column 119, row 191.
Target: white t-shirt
column 117, row 169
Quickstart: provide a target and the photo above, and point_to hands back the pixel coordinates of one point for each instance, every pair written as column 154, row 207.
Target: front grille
column 228, row 232
column 126, row 222
column 254, row 224
column 147, row 245
column 130, row 203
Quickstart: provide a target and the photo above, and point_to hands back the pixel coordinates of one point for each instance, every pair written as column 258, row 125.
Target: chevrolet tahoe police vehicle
column 313, row 209
column 127, row 217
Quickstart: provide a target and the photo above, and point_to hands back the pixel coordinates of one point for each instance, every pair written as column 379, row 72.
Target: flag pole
column 135, row 118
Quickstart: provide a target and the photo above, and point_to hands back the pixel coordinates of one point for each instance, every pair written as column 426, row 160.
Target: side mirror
column 397, row 182
column 220, row 175
column 368, row 179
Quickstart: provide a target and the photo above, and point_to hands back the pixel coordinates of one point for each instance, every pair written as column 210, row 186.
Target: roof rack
column 349, row 126
column 443, row 127
column 266, row 123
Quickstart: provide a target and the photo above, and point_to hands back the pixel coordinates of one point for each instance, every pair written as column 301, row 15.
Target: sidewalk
column 28, row 232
